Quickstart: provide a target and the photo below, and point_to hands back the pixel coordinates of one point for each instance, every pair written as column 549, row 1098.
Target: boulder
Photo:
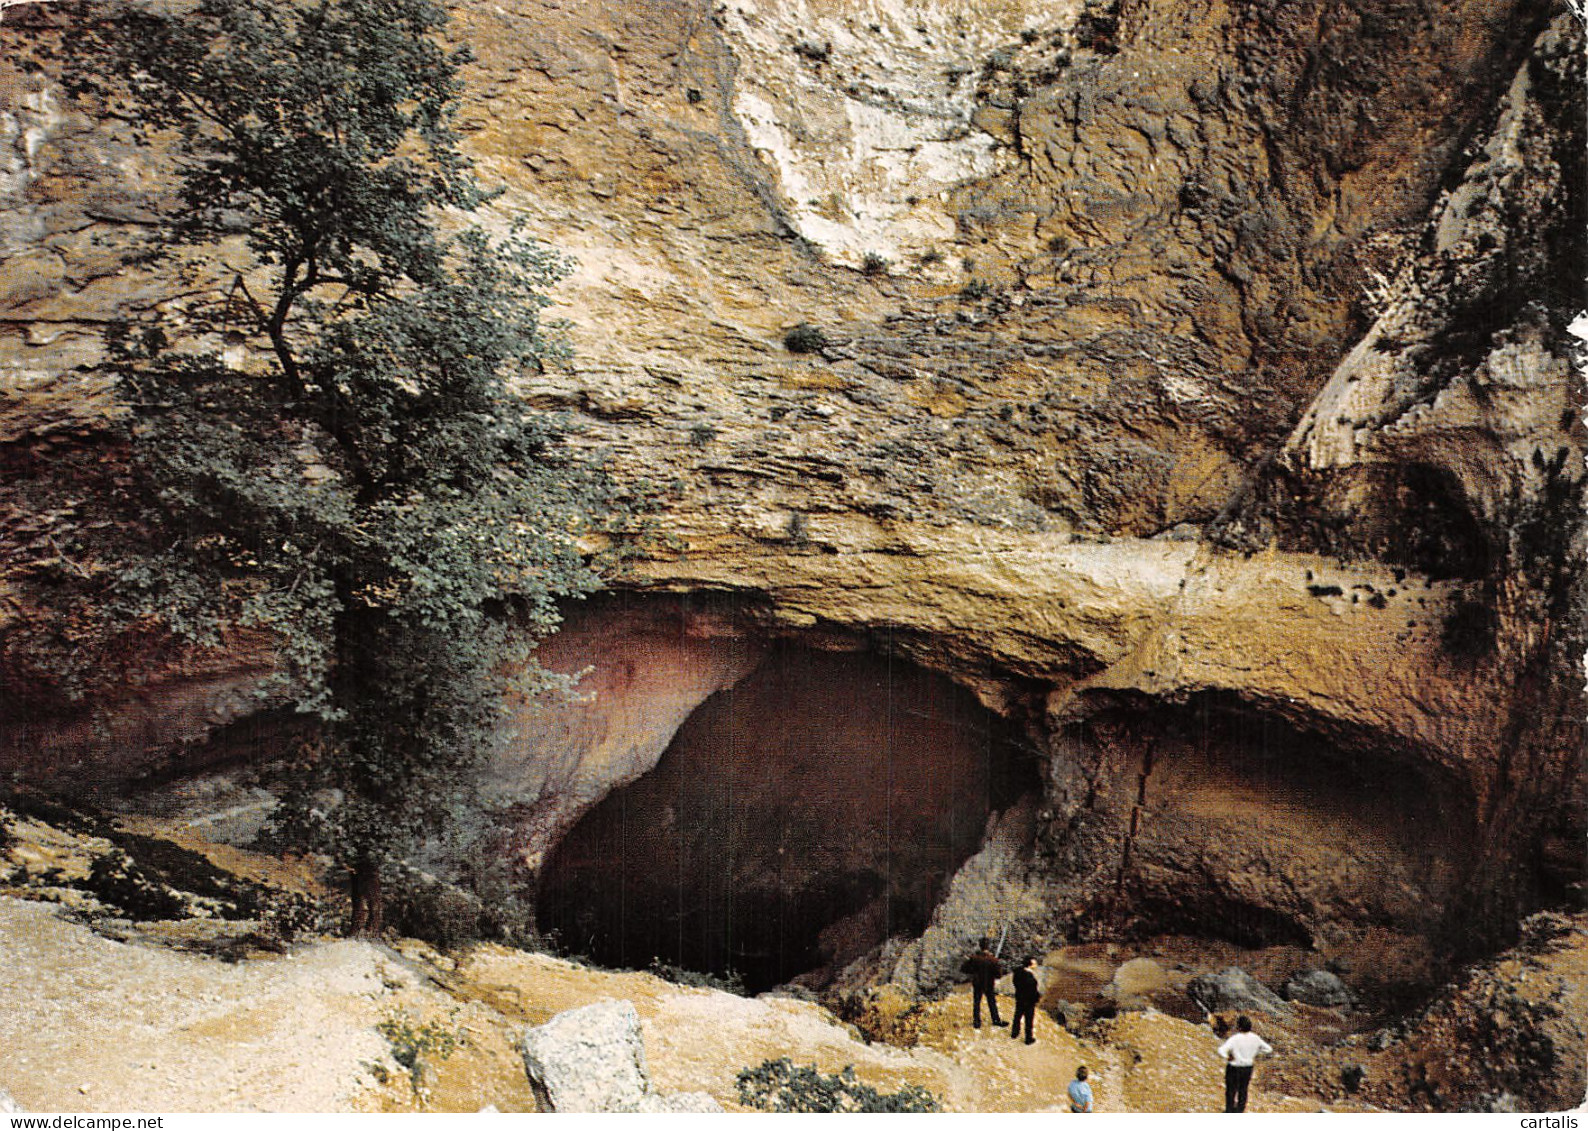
column 678, row 1103
column 8, row 1105
column 1233, row 989
column 1068, row 1014
column 1135, row 982
column 1320, row 988
column 592, row 1059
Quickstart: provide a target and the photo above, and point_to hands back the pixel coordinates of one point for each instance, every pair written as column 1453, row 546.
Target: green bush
column 731, row 982
column 779, row 1086
column 411, row 1043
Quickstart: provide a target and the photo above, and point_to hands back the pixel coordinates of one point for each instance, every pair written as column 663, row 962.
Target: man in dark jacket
column 1027, row 994
column 984, row 971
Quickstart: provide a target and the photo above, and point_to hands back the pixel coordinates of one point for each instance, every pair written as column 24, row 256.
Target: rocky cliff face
column 1192, row 388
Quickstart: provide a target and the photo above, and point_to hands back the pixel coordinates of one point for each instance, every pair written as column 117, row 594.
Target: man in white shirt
column 1240, row 1056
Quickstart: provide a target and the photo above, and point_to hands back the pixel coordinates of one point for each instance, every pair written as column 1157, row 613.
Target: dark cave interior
column 797, row 820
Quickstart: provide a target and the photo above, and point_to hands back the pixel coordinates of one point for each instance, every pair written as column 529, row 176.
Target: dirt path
column 95, row 1025
column 88, row 1024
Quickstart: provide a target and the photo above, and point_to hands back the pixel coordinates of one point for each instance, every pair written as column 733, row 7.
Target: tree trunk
column 368, row 899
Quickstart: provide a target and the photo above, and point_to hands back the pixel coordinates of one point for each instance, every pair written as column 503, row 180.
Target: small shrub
column 874, row 264
column 975, row 290
column 931, row 256
column 284, row 916
column 693, row 96
column 731, row 982
column 815, row 52
column 443, row 915
column 410, row 1043
column 779, row 1086
column 805, row 338
column 114, row 879
column 702, row 434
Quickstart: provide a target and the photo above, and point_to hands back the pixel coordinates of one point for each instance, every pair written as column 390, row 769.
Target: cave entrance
column 798, row 819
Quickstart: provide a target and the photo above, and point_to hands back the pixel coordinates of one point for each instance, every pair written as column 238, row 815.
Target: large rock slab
column 1233, row 989
column 1320, row 988
column 592, row 1060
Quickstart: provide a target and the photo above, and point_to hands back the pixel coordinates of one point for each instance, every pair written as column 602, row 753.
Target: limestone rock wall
column 1176, row 354
column 636, row 671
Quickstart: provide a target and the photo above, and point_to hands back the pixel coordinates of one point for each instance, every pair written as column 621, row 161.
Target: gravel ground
column 93, row 1025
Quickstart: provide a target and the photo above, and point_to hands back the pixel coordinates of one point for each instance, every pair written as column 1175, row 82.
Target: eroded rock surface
column 592, row 1060
column 1195, row 393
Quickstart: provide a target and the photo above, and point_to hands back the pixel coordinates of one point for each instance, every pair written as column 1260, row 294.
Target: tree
column 368, row 490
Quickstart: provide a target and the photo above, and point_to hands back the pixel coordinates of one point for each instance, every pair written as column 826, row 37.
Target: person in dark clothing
column 1027, row 994
column 984, row 970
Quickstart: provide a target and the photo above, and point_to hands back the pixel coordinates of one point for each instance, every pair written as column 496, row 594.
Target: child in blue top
column 1080, row 1091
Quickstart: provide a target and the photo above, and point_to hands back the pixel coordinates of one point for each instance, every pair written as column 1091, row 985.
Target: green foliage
column 411, row 1042
column 779, row 1086
column 370, row 495
column 874, row 263
column 731, row 982
column 804, row 338
column 483, row 903
column 975, row 290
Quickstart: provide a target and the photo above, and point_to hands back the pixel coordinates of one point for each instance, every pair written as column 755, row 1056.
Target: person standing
column 984, row 970
column 1080, row 1092
column 1240, row 1054
column 1027, row 994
